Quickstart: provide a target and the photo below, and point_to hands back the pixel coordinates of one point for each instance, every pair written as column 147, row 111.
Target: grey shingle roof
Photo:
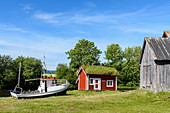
column 160, row 46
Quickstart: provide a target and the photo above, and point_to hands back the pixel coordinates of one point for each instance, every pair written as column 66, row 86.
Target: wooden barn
column 155, row 63
column 97, row 78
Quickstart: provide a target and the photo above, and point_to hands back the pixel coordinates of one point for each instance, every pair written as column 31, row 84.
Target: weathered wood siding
column 163, row 75
column 154, row 75
column 148, row 70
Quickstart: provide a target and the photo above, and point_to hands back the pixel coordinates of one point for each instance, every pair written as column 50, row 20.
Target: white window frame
column 90, row 81
column 109, row 85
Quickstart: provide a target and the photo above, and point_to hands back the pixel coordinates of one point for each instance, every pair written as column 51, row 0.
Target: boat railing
column 61, row 81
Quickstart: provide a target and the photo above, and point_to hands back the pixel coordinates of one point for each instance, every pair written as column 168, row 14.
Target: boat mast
column 18, row 85
column 19, row 74
column 44, row 66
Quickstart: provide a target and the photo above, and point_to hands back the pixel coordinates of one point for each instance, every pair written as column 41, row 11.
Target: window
column 91, row 81
column 109, row 83
column 53, row 81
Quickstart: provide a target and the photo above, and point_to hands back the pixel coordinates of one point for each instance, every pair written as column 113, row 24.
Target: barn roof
column 160, row 46
column 99, row 70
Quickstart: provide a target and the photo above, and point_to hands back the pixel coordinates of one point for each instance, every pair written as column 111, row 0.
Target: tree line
column 86, row 53
column 9, row 69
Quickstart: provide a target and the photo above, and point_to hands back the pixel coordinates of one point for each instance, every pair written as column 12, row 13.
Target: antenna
column 44, row 65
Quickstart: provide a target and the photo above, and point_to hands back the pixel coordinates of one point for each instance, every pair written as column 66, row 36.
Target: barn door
column 97, row 84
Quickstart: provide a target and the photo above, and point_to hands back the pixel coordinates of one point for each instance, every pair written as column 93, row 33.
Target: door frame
column 99, row 83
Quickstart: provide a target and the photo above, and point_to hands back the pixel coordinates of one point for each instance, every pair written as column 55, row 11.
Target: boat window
column 53, row 82
column 43, row 81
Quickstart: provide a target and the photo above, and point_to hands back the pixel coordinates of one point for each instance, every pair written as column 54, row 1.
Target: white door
column 97, row 84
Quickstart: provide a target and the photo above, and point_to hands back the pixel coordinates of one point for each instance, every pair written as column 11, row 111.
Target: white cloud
column 81, row 17
column 12, row 28
column 49, row 44
column 65, row 18
column 54, row 47
column 46, row 16
column 27, row 7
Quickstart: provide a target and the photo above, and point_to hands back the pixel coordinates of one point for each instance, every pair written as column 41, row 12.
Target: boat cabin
column 97, row 78
column 46, row 83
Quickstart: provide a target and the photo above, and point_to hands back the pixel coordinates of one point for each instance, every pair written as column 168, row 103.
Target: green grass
column 92, row 102
column 127, row 87
column 100, row 70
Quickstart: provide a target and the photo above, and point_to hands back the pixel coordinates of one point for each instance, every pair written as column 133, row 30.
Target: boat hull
column 56, row 90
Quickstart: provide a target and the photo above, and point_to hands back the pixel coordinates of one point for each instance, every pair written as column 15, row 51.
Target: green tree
column 64, row 72
column 114, row 56
column 133, row 53
column 7, row 75
column 130, row 72
column 30, row 68
column 9, row 69
column 84, row 53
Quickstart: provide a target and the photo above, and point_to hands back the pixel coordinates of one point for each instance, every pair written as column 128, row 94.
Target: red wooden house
column 97, row 78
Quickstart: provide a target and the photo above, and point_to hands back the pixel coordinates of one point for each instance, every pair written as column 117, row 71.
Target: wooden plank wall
column 163, row 68
column 148, row 71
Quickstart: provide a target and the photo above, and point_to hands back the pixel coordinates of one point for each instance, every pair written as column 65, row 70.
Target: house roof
column 160, row 46
column 166, row 34
column 99, row 70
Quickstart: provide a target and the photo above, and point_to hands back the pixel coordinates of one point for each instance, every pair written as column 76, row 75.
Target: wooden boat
column 48, row 86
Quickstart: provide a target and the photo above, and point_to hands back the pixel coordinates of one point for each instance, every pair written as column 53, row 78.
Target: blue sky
column 28, row 27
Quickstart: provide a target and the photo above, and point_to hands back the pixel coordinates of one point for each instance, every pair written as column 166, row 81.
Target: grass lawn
column 94, row 102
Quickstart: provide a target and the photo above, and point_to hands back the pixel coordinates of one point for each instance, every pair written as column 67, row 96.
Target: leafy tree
column 64, row 72
column 84, row 53
column 133, row 53
column 9, row 69
column 30, row 68
column 130, row 72
column 114, row 53
column 114, row 56
column 7, row 75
